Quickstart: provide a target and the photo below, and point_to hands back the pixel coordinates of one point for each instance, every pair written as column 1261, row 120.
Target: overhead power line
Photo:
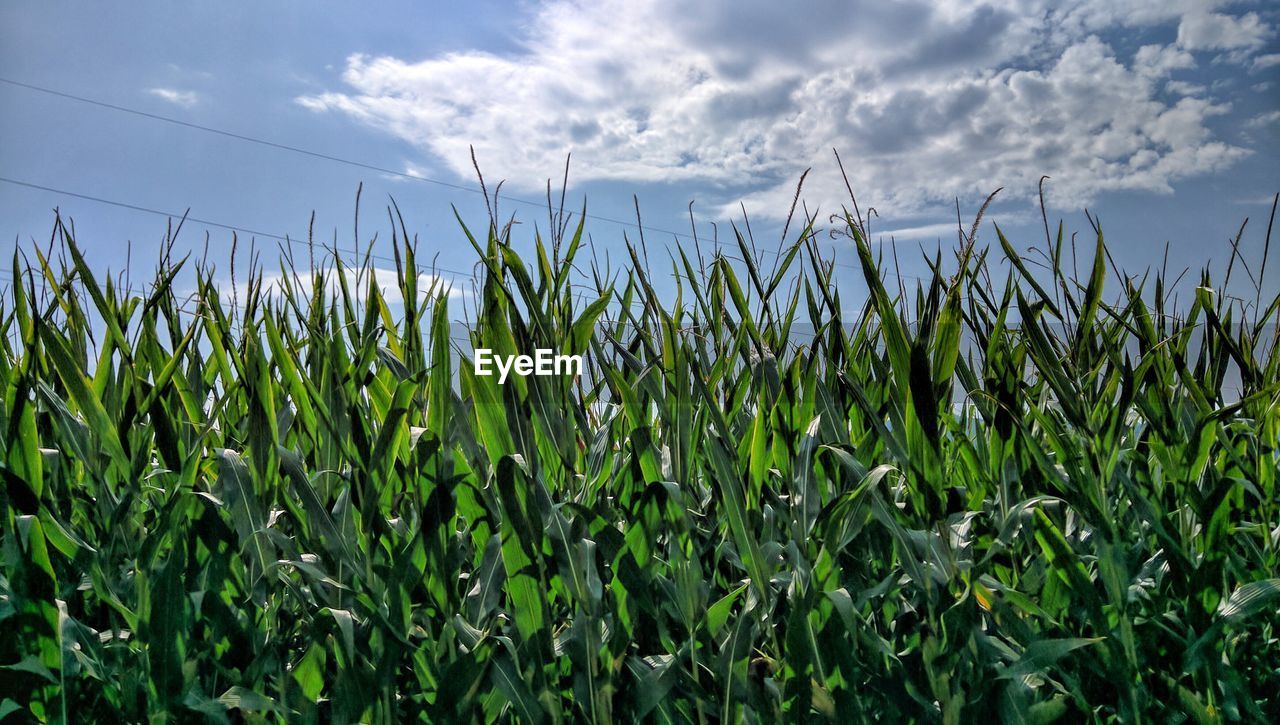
column 219, row 225
column 314, row 154
column 345, row 161
column 455, row 275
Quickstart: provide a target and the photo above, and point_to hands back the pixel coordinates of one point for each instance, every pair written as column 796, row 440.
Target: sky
column 1162, row 119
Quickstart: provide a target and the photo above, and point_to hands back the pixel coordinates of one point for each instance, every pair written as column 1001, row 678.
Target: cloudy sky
column 1163, row 118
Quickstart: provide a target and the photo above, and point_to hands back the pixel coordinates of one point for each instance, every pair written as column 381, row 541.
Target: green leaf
column 1039, row 655
column 1249, row 599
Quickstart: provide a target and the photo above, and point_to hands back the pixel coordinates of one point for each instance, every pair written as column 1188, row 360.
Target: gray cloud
column 927, row 101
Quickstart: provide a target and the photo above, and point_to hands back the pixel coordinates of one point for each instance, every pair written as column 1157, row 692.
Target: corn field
column 1008, row 491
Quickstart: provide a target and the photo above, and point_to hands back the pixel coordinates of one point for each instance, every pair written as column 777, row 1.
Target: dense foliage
column 1030, row 500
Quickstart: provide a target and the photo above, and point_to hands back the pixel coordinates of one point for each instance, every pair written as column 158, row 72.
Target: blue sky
column 1162, row 118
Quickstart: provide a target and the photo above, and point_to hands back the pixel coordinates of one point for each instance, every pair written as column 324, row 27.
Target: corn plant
column 1052, row 498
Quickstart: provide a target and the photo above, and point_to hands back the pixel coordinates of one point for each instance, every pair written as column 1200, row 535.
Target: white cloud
column 1267, row 200
column 1184, row 88
column 185, row 99
column 274, row 285
column 1088, row 16
column 411, row 171
column 1089, row 122
column 1158, row 61
column 1216, row 31
column 1265, row 119
column 943, row 230
column 1266, row 61
column 925, row 101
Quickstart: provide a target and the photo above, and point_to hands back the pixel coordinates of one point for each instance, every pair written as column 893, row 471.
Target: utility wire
column 348, row 162
column 243, row 137
column 219, row 225
column 313, row 154
column 455, row 276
